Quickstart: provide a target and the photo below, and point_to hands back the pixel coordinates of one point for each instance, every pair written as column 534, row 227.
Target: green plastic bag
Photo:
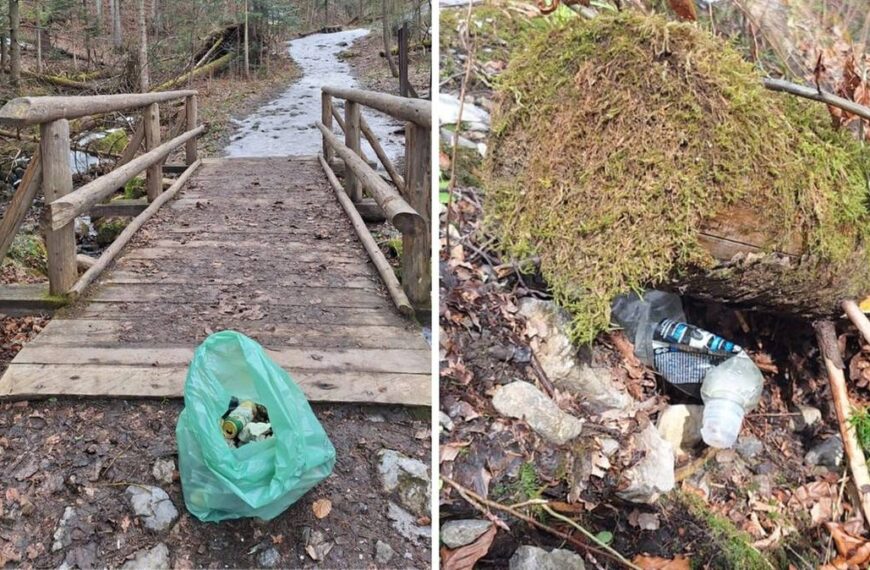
column 261, row 478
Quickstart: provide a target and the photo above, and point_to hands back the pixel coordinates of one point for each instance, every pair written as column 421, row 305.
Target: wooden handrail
column 26, row 111
column 65, row 209
column 418, row 111
column 376, row 146
column 396, row 208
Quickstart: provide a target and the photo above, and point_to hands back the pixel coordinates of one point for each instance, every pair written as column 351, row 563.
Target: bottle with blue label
column 696, row 361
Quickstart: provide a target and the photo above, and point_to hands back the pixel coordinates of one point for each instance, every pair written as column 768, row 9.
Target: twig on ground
column 479, row 502
column 827, row 337
column 822, row 96
column 858, row 318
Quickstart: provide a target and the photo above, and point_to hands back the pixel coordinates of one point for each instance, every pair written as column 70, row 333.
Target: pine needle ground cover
column 615, row 140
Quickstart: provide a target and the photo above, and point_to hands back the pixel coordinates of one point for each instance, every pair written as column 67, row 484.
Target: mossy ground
column 28, row 251
column 616, row 139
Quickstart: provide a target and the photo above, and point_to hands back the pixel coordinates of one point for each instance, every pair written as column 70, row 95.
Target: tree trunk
column 98, row 4
column 15, row 63
column 38, row 39
column 247, row 46
column 144, row 80
column 387, row 49
column 325, row 13
column 117, row 37
column 4, row 55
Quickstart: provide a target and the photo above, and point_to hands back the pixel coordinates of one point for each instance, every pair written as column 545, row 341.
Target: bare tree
column 15, row 59
column 98, row 4
column 38, row 38
column 117, row 39
column 247, row 49
column 387, row 49
column 144, row 79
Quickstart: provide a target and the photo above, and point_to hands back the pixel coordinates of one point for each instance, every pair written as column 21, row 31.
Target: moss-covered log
column 629, row 152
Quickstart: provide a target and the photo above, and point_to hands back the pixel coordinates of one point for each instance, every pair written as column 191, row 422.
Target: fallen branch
column 827, row 338
column 817, row 95
column 215, row 65
column 479, row 502
column 56, row 80
column 858, row 318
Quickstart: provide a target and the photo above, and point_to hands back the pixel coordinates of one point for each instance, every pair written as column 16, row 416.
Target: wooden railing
column 50, row 170
column 406, row 203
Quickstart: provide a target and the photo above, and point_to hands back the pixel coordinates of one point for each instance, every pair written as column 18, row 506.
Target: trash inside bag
column 274, row 467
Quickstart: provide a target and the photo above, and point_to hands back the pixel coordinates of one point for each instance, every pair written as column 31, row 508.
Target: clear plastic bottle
column 639, row 315
column 729, row 391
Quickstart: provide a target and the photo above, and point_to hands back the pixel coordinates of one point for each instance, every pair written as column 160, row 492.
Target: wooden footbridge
column 272, row 247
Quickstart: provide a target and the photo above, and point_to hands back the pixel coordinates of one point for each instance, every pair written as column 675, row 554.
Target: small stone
column 680, row 426
column 524, row 401
column 153, row 505
column 547, row 328
column 164, row 471
column 534, row 558
column 408, row 477
column 749, row 446
column 156, row 558
column 808, row 418
column 383, row 553
column 609, row 446
column 269, row 558
column 652, row 475
column 445, row 422
column 62, row 536
column 458, row 533
column 828, row 453
column 406, row 524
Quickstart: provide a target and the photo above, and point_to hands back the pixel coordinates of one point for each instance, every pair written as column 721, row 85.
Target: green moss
column 732, row 548
column 28, row 250
column 860, row 420
column 617, row 139
column 134, row 189
column 109, row 228
column 113, row 142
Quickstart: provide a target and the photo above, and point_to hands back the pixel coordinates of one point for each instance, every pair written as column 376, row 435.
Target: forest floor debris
column 769, row 502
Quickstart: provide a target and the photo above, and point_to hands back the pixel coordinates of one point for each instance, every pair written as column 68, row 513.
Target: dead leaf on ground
column 465, row 557
column 656, row 563
column 321, row 508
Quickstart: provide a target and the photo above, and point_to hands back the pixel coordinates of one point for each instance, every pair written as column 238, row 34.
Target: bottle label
column 684, row 353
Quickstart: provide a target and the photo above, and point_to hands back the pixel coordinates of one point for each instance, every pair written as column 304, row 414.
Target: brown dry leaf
column 685, row 9
column 321, row 508
column 656, row 563
column 464, row 558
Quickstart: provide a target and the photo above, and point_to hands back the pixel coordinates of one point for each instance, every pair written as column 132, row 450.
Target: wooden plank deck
column 258, row 245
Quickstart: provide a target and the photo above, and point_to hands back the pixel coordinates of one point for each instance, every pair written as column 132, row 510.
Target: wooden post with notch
column 54, row 146
column 416, row 248
column 154, row 174
column 190, row 111
column 326, row 119
column 352, row 185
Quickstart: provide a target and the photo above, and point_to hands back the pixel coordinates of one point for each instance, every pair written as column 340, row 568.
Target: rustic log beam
column 65, row 209
column 352, row 141
column 376, row 146
column 20, row 203
column 60, row 239
column 190, row 114
column 154, row 175
column 417, row 248
column 84, row 262
column 817, row 95
column 36, row 110
column 377, row 256
column 418, row 111
column 827, row 337
column 124, row 237
column 396, row 208
column 326, row 113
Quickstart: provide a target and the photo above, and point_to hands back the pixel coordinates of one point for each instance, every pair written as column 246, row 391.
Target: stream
column 285, row 126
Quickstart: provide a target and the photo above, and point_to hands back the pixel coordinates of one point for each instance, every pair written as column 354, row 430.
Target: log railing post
column 416, row 248
column 190, row 111
column 326, row 119
column 154, row 174
column 56, row 182
column 353, row 187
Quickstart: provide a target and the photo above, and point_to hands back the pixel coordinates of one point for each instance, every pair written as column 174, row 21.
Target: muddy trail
column 515, row 389
column 286, row 126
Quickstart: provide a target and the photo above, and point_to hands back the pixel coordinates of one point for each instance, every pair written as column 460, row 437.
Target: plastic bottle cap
column 722, row 422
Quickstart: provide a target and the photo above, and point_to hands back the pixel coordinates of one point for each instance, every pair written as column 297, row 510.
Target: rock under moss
column 108, row 229
column 615, row 141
